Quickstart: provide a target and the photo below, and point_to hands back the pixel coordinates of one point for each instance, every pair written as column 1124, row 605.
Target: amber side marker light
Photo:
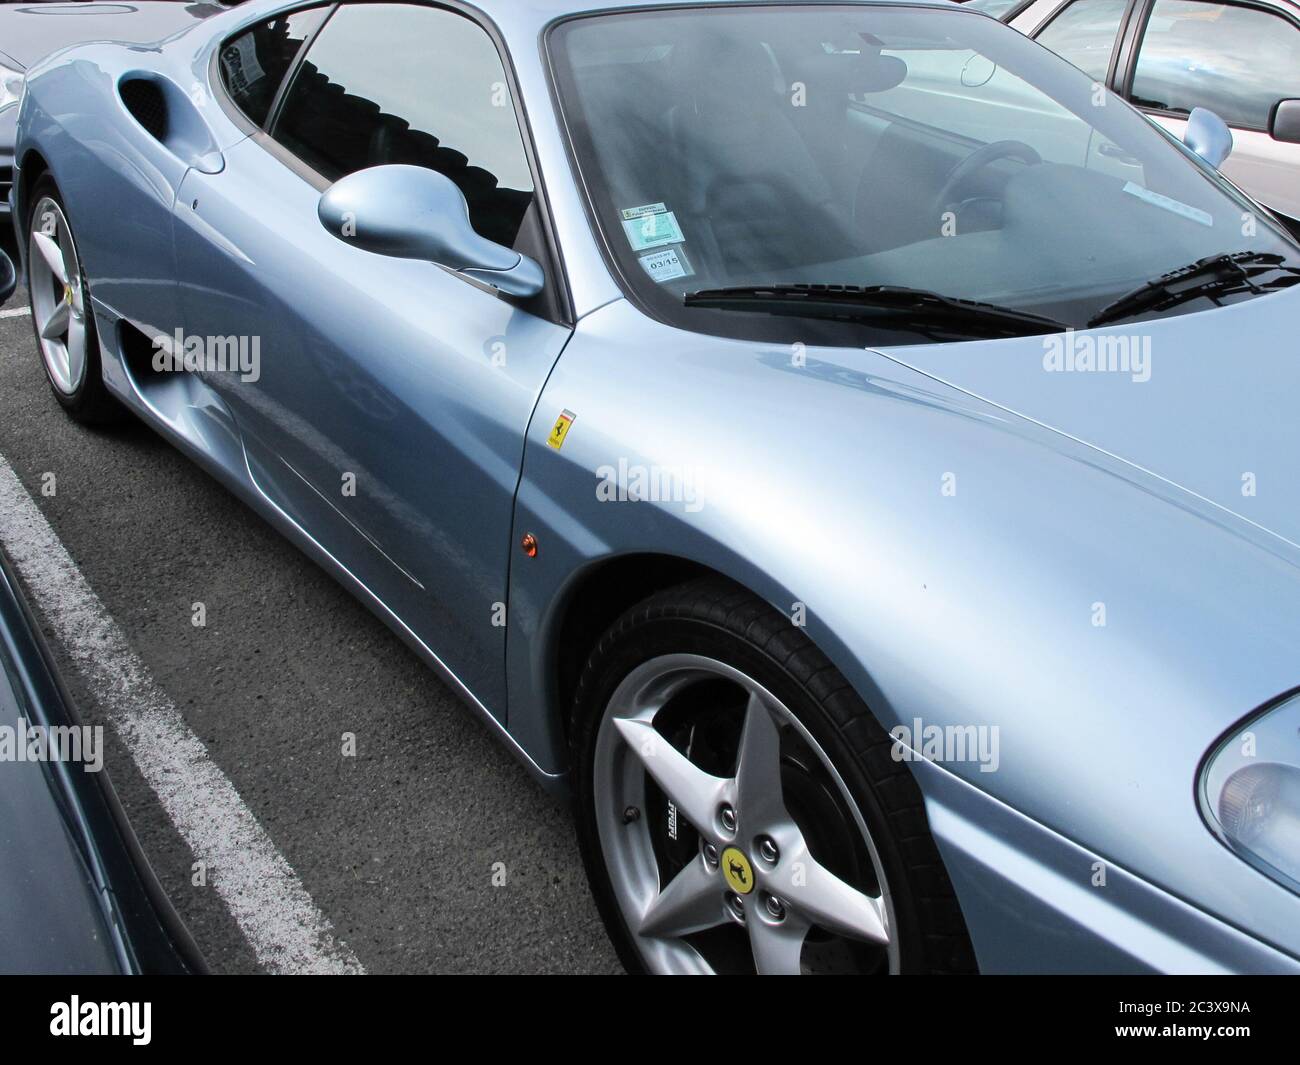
column 529, row 545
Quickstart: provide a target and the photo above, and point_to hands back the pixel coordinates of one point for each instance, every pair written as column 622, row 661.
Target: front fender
column 960, row 565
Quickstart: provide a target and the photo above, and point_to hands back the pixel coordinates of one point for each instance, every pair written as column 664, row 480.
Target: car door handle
column 1112, row 151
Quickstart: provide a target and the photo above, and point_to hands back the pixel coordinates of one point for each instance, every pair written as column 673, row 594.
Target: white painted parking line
column 15, row 312
column 287, row 932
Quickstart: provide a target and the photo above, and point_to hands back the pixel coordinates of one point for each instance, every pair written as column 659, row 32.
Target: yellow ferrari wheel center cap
column 736, row 871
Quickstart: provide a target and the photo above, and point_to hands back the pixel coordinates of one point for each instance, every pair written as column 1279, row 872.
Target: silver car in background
column 1239, row 60
column 31, row 31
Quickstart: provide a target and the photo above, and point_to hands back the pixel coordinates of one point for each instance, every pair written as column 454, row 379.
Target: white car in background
column 1239, row 60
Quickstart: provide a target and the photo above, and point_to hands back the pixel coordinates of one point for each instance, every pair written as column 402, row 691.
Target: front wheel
column 739, row 810
column 62, row 315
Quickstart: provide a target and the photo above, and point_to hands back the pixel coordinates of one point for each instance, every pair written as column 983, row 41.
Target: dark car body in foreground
column 76, row 894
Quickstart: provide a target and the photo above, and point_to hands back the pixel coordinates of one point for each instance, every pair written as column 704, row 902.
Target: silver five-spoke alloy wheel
column 750, row 863
column 58, row 301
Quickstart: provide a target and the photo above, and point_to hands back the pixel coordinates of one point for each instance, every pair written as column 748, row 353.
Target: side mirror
column 8, row 278
column 1208, row 136
column 411, row 212
column 1284, row 122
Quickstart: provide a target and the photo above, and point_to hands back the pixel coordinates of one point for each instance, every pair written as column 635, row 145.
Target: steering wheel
column 977, row 161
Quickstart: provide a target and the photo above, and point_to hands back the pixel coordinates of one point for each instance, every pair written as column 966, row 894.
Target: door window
column 400, row 83
column 1236, row 61
column 254, row 63
column 1084, row 33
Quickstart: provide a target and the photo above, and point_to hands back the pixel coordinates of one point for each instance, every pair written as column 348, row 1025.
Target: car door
column 1238, row 60
column 388, row 413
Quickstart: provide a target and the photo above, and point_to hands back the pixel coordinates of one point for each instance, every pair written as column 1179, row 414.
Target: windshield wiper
column 911, row 307
column 1213, row 277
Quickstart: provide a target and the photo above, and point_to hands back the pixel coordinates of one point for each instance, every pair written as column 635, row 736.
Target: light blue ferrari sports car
column 853, row 452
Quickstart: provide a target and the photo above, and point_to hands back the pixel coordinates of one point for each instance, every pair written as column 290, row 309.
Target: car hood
column 29, row 32
column 1206, row 400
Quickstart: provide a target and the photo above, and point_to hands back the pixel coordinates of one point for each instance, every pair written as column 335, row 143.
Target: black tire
column 716, row 618
column 91, row 403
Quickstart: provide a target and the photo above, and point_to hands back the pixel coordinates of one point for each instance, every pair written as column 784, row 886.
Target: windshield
column 873, row 146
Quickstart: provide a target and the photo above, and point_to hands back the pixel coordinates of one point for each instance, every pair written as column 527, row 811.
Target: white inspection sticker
column 666, row 265
column 1176, row 206
column 651, row 226
column 249, row 67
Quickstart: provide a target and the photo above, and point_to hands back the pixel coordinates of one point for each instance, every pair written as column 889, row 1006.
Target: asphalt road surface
column 398, row 845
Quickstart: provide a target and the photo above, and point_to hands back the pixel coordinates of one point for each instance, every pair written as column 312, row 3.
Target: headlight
column 11, row 86
column 1250, row 792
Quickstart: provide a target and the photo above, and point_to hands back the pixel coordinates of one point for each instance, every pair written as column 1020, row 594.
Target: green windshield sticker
column 651, row 226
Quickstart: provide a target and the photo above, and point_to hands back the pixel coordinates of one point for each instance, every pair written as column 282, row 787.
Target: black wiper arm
column 1215, row 275
column 914, row 305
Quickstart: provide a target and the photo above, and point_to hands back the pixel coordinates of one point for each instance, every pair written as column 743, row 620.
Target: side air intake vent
column 148, row 106
column 168, row 114
column 137, row 352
